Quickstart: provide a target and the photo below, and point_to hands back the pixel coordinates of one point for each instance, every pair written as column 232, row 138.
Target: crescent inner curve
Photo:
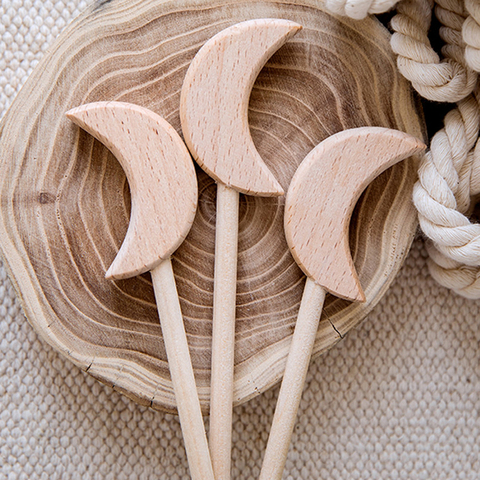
column 214, row 103
column 323, row 194
column 161, row 176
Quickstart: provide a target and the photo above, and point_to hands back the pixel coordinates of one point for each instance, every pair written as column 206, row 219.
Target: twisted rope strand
column 471, row 35
column 442, row 194
column 469, row 27
column 449, row 174
column 359, row 9
column 452, row 16
column 462, row 279
column 447, row 80
column 458, row 268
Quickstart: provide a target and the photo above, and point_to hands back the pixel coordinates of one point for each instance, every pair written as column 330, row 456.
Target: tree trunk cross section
column 65, row 201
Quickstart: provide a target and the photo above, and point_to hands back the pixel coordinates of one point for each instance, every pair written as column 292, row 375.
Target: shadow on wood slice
column 65, row 201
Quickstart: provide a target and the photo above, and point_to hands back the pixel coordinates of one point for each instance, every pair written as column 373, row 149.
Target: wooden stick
column 163, row 185
column 293, row 381
column 223, row 333
column 214, row 116
column 181, row 370
column 319, row 204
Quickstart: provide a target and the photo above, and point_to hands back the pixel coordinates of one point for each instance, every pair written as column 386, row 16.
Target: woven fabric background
column 398, row 398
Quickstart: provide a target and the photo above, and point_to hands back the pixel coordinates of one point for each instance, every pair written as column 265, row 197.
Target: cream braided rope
column 471, row 34
column 446, row 80
column 449, row 174
column 359, row 9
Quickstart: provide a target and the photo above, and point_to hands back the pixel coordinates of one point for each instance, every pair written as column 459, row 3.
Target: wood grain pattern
column 323, row 194
column 214, row 103
column 65, row 203
column 161, row 177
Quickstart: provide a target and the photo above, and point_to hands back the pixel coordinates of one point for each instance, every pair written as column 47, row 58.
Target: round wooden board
column 65, row 201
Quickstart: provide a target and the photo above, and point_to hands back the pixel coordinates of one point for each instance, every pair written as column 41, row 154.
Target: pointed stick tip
column 417, row 145
column 72, row 114
column 361, row 296
column 110, row 275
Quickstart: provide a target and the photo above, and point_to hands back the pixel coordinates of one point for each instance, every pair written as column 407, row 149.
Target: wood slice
column 65, row 201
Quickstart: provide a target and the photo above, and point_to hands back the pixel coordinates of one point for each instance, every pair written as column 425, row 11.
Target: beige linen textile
column 398, row 398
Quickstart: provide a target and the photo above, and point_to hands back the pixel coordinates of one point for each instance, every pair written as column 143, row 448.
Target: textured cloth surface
column 398, row 398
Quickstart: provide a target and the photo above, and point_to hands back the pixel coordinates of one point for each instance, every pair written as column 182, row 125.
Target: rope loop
column 471, row 35
column 443, row 80
column 449, row 174
column 359, row 9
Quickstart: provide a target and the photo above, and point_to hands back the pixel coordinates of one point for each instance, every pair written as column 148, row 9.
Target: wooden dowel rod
column 223, row 333
column 293, row 381
column 181, row 371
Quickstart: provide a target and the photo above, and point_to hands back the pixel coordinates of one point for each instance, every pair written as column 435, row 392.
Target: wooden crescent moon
column 216, row 128
column 161, row 215
column 65, row 202
column 323, row 194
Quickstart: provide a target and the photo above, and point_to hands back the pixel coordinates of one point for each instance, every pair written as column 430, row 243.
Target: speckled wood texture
column 398, row 398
